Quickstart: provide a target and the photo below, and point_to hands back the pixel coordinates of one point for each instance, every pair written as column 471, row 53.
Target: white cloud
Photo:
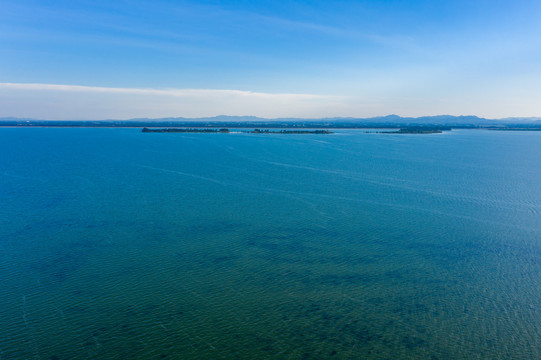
column 75, row 102
column 53, row 101
column 147, row 91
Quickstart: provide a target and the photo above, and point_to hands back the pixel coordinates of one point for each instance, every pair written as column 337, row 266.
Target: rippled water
column 120, row 244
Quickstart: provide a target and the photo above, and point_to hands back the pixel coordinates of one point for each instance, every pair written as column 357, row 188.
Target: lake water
column 116, row 244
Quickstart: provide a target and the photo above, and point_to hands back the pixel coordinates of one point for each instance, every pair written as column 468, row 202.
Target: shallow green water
column 120, row 244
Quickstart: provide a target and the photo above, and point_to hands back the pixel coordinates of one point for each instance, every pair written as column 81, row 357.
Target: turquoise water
column 115, row 244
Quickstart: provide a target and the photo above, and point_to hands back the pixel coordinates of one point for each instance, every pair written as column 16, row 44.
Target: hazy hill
column 466, row 121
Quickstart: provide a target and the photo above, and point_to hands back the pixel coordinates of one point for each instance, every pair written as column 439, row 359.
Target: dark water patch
column 204, row 260
column 223, row 259
column 140, row 310
column 327, row 330
column 449, row 251
column 412, row 342
column 349, row 279
column 285, row 240
column 280, row 245
column 405, row 307
column 214, row 227
column 367, row 276
column 78, row 309
column 361, row 332
column 57, row 265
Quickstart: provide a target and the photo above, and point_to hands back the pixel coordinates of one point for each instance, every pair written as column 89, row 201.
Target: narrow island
column 267, row 131
column 183, row 130
column 417, row 130
column 226, row 131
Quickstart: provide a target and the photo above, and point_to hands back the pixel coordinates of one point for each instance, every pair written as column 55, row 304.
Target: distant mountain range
column 253, row 121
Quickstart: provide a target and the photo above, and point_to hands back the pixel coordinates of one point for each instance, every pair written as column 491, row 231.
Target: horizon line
column 260, row 118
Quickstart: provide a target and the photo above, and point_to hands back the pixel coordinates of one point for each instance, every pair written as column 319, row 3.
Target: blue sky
column 121, row 59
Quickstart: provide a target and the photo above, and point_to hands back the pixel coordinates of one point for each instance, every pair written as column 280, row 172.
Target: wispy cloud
column 150, row 91
column 57, row 101
column 287, row 25
column 78, row 102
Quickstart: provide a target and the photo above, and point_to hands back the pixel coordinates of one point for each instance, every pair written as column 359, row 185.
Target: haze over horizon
column 311, row 59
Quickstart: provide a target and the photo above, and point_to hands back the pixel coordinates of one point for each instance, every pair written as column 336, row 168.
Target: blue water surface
column 118, row 244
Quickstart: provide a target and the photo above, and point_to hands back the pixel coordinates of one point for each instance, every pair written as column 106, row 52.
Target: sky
column 76, row 60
